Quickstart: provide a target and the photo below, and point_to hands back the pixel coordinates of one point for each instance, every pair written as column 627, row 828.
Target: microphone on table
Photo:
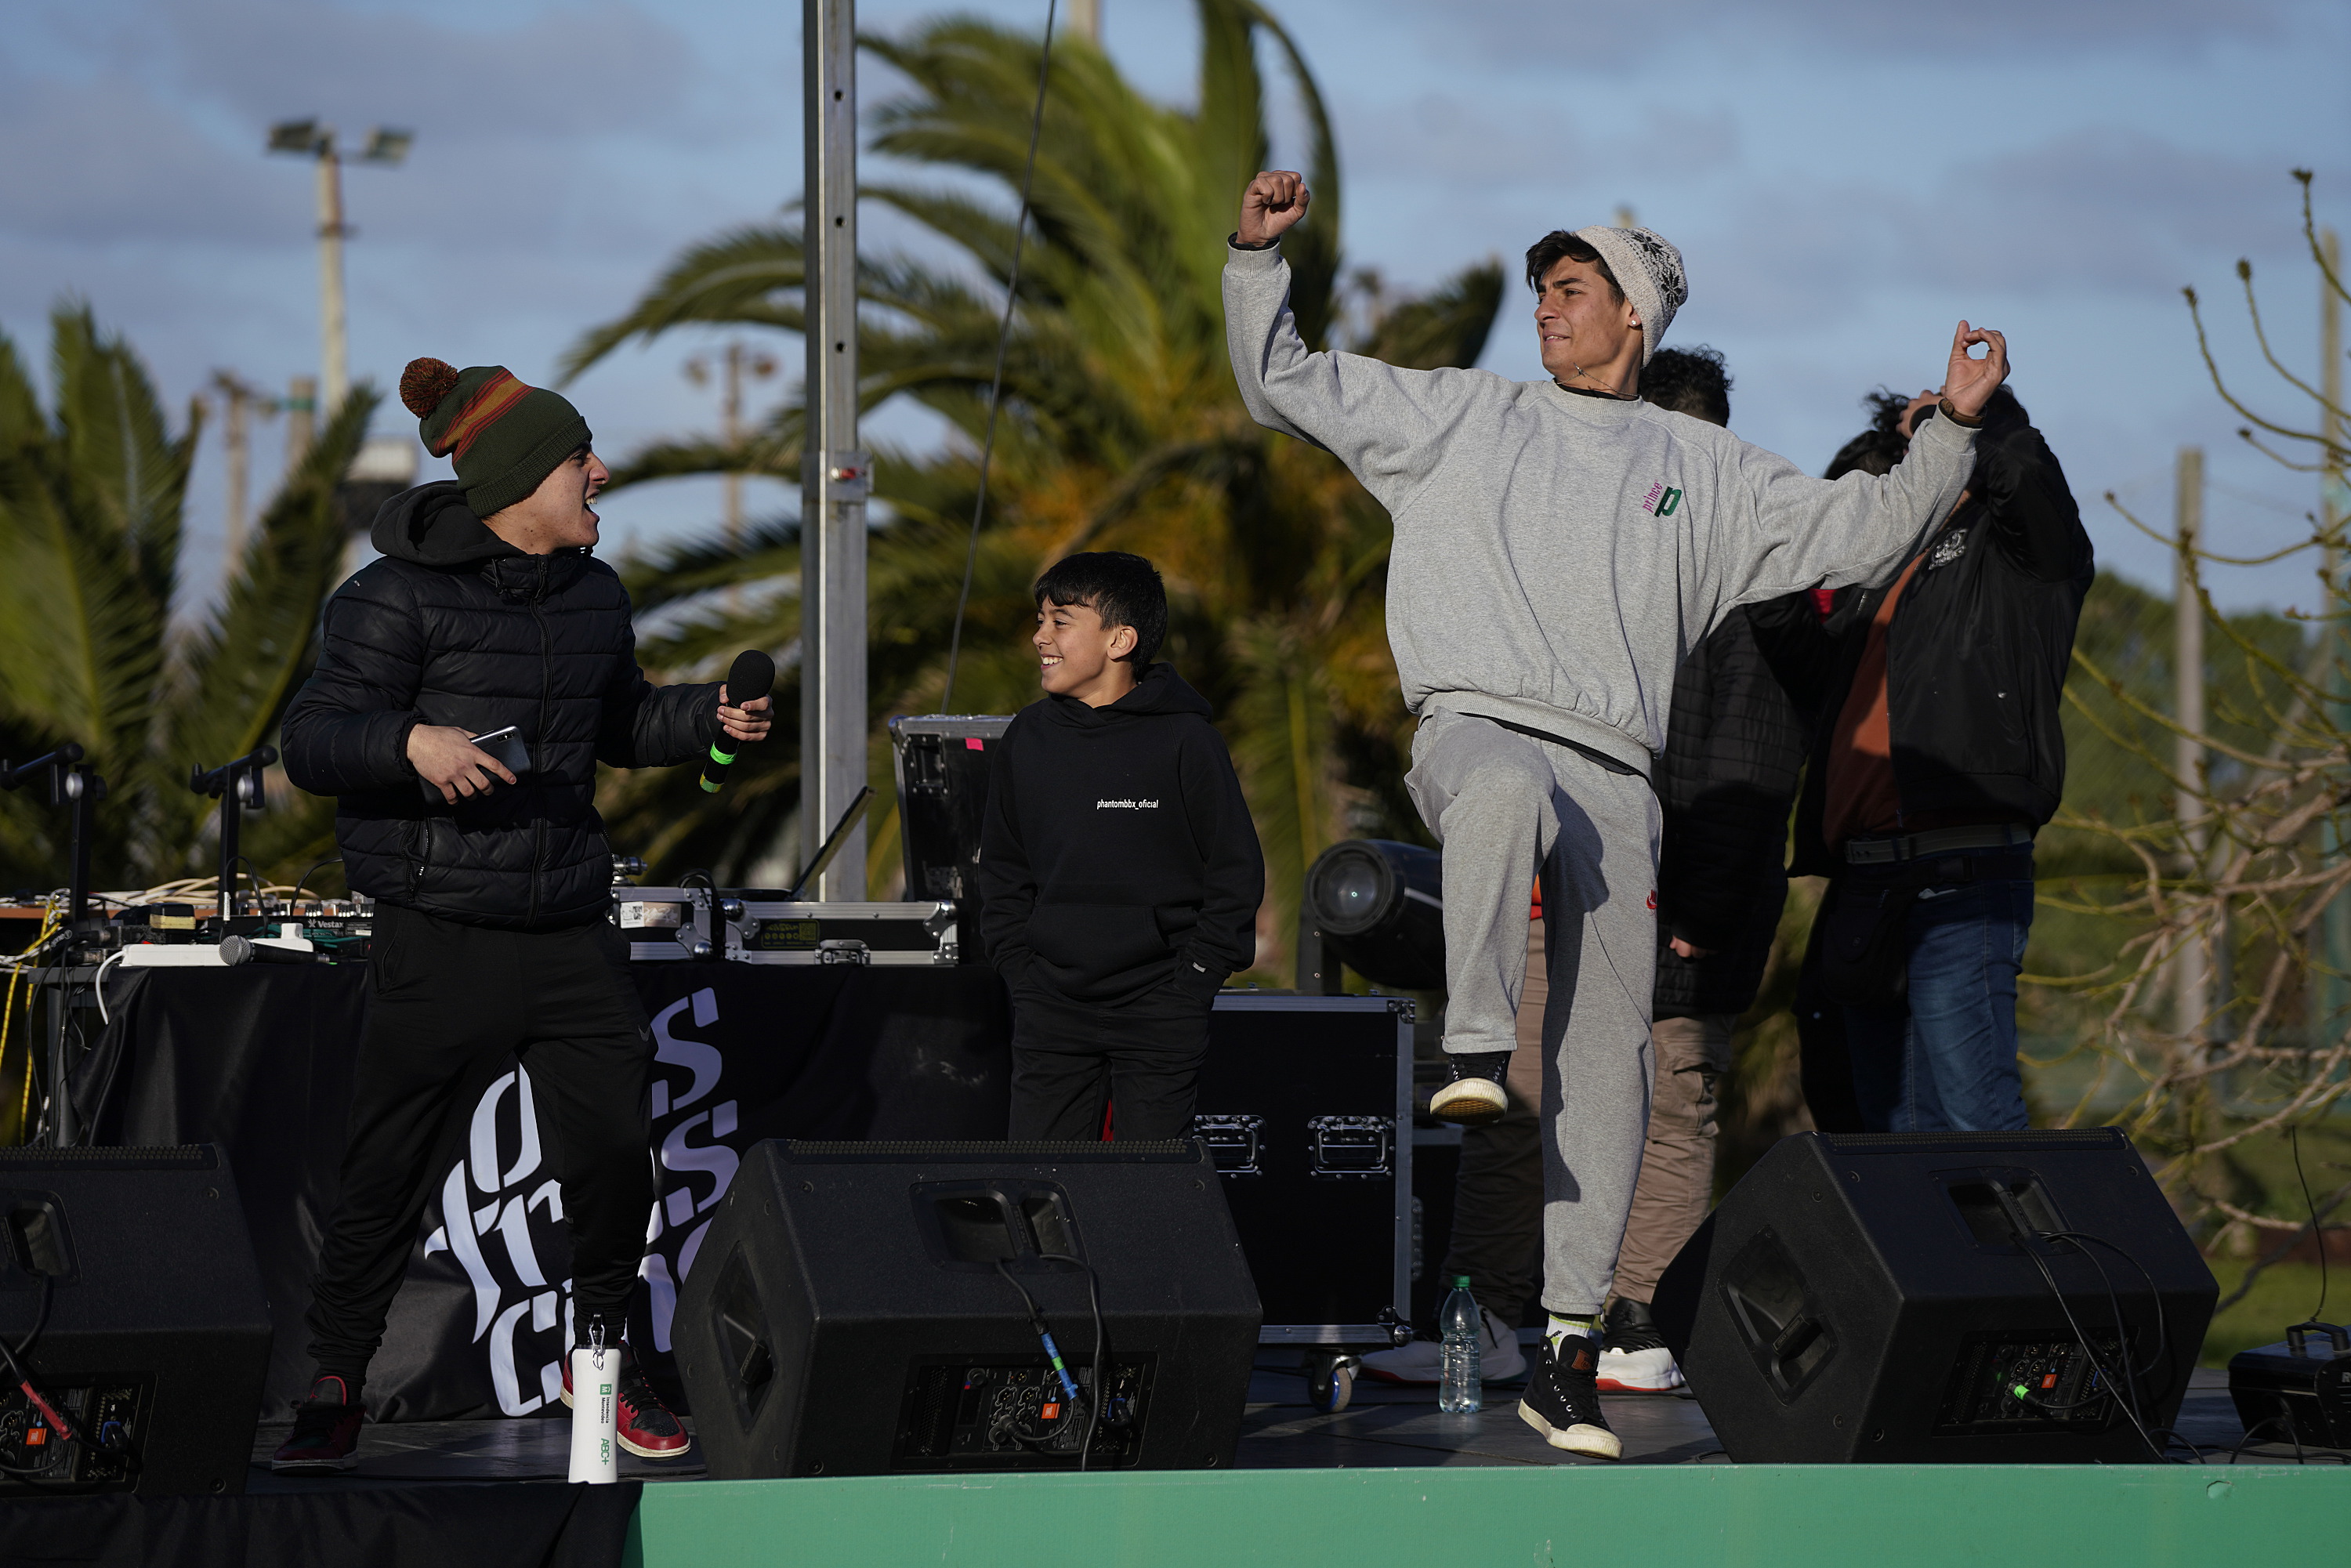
column 236, row 950
column 752, row 678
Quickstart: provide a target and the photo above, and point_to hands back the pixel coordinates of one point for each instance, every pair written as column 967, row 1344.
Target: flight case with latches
column 1306, row 1103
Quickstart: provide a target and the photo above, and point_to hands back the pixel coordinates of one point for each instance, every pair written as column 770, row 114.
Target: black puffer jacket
column 1976, row 655
column 457, row 627
column 1733, row 751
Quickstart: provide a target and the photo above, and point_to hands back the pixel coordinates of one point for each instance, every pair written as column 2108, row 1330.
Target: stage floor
column 1386, row 1427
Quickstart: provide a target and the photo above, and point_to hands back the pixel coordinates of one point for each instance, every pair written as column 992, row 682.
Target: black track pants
column 445, row 996
column 1068, row 1061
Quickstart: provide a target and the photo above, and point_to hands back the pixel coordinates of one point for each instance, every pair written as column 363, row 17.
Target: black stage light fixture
column 1376, row 906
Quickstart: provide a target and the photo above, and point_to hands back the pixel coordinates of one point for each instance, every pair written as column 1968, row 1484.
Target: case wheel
column 1330, row 1380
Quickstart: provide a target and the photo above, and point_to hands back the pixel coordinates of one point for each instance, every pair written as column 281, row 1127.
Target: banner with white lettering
column 258, row 1059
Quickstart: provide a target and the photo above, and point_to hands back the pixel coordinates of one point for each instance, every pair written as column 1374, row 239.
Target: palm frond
column 238, row 672
column 128, row 468
column 1447, row 327
column 734, row 279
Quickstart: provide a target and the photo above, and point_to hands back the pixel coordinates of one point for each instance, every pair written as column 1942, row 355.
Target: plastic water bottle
column 1462, row 1390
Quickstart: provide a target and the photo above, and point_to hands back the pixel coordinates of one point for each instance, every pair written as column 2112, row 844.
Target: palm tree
column 90, row 531
column 1121, row 428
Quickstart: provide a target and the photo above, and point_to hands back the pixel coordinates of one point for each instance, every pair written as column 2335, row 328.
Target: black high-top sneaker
column 1474, row 1096
column 1562, row 1401
column 326, row 1436
column 1636, row 1360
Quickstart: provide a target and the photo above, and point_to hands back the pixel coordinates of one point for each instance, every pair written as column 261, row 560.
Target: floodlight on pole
column 310, row 139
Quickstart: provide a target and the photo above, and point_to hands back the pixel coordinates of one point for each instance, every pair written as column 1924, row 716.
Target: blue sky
column 1846, row 180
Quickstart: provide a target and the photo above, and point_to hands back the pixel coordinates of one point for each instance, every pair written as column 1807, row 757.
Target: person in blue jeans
column 1943, row 1058
column 1938, row 755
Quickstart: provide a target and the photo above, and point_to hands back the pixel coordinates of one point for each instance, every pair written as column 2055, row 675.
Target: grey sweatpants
column 1506, row 805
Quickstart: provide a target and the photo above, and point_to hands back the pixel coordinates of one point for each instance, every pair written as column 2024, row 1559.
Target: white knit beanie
column 1649, row 270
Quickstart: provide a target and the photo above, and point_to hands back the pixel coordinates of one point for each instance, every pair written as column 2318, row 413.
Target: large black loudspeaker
column 1869, row 1298
column 154, row 1331
column 857, row 1309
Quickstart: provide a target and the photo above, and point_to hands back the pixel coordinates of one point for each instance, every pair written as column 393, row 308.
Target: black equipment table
column 1304, row 1102
column 259, row 1060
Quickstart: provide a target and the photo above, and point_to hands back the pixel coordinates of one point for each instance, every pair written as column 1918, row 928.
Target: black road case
column 1306, row 1102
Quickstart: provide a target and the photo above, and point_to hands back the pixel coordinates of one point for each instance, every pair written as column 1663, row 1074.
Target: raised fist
column 1274, row 201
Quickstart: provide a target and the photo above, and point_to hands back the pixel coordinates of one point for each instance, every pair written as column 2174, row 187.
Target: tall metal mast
column 835, row 475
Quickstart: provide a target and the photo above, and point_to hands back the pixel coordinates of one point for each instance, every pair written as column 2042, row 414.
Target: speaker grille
column 164, row 1157
column 801, row 1151
column 1977, row 1143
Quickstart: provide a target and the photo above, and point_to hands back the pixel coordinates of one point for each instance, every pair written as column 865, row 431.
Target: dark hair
column 1560, row 245
column 1688, row 381
column 1877, row 449
column 1872, row 451
column 1885, row 406
column 1124, row 589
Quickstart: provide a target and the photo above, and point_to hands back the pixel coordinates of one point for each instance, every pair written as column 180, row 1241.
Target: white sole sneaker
column 1592, row 1442
column 1469, row 1103
column 1639, row 1371
column 1422, row 1363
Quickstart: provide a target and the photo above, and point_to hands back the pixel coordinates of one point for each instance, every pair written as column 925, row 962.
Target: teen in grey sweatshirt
column 1557, row 554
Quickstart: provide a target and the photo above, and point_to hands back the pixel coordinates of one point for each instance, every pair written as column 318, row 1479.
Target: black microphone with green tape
column 751, row 678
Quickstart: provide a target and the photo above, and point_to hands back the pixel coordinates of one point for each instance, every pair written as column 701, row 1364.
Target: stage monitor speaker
column 858, row 1309
column 132, row 1270
column 1888, row 1298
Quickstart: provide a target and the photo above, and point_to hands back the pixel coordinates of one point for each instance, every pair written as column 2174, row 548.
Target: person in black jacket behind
column 1119, row 870
column 491, row 883
column 1937, row 756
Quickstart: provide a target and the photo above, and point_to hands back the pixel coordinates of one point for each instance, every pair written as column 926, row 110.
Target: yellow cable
column 7, row 1015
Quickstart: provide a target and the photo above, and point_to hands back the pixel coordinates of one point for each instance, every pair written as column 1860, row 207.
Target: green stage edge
column 1689, row 1516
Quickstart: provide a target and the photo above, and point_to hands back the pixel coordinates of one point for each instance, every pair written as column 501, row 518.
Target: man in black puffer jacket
column 491, row 883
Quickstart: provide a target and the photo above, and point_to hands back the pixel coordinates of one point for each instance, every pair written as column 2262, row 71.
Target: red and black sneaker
column 647, row 1428
column 326, row 1436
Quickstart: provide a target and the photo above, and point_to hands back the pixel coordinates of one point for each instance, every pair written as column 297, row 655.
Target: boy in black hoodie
column 1119, row 870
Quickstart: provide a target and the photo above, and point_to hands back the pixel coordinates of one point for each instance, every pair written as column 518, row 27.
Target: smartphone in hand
column 505, row 745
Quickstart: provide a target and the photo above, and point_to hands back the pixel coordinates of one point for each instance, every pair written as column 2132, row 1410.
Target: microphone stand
column 236, row 786
column 75, row 784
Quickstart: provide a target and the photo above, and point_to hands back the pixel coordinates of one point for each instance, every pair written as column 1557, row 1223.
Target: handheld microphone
column 752, row 678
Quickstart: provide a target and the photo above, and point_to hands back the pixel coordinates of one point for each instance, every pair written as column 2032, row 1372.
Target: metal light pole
column 2191, row 971
column 738, row 361
column 309, row 139
column 835, row 473
column 240, row 402
column 2333, row 989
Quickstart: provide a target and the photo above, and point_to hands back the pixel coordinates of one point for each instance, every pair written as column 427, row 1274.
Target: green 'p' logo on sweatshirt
column 1661, row 500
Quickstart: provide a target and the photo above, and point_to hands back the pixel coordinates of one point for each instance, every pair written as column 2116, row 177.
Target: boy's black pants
column 445, row 996
column 1070, row 1060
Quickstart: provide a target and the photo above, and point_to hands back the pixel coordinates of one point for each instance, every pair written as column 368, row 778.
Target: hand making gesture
column 1969, row 383
column 1273, row 203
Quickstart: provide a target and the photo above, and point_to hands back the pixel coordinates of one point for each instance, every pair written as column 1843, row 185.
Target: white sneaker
column 1635, row 1360
column 1475, row 1094
column 1499, row 1358
column 1650, row 1370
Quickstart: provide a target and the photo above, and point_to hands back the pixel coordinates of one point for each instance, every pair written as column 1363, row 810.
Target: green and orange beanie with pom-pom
column 502, row 437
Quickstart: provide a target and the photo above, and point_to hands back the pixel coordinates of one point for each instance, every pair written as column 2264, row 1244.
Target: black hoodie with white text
column 1118, row 854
